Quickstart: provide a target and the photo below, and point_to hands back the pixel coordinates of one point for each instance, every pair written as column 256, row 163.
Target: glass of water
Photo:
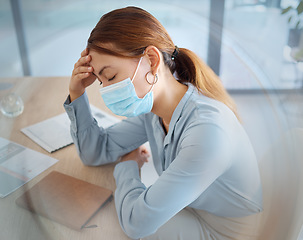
column 11, row 105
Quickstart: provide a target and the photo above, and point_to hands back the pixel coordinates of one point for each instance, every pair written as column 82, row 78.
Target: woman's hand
column 82, row 76
column 140, row 155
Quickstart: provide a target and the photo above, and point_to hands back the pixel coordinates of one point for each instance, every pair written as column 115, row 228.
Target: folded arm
column 97, row 145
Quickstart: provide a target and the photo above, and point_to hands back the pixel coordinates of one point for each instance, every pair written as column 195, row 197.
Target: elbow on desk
column 89, row 164
column 137, row 228
column 88, row 160
column 135, row 235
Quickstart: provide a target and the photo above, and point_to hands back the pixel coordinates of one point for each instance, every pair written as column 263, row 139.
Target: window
column 252, row 42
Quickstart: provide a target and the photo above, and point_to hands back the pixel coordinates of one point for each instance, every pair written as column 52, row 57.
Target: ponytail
column 190, row 68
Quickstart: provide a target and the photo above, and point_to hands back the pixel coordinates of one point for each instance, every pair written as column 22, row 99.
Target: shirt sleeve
column 96, row 145
column 203, row 157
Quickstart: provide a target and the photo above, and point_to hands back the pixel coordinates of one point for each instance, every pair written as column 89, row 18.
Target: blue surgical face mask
column 121, row 98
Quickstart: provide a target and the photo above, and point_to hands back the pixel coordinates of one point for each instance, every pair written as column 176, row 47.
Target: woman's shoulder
column 201, row 108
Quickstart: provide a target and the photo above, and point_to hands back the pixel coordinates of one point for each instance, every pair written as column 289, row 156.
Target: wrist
column 74, row 95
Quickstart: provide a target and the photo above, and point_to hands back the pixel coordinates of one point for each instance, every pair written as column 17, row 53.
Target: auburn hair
column 131, row 30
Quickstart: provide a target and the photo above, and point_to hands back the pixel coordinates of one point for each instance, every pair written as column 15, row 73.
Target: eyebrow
column 102, row 69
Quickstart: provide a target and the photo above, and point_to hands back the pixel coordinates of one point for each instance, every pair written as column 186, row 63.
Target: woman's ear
column 154, row 57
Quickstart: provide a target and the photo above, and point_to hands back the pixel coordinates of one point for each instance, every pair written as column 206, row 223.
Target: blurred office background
column 246, row 42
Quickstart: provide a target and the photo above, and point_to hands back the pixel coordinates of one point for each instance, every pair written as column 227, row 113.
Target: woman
column 209, row 184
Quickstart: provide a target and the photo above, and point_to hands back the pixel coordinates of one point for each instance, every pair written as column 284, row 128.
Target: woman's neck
column 168, row 94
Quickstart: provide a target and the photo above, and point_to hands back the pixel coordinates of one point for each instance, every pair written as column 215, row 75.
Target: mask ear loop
column 136, row 69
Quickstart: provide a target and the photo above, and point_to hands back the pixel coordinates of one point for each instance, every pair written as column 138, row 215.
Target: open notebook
column 65, row 199
column 53, row 133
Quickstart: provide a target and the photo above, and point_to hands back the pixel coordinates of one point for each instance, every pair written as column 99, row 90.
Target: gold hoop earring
column 155, row 78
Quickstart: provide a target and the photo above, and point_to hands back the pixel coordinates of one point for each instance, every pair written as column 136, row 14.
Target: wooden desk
column 43, row 98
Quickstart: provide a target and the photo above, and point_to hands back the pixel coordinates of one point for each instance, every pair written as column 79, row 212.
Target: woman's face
column 111, row 69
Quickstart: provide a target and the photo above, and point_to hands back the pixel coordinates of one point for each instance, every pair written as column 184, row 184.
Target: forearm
column 90, row 140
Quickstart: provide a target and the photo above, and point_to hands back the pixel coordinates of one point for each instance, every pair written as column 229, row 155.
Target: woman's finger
column 144, row 151
column 82, row 69
column 82, row 61
column 81, row 76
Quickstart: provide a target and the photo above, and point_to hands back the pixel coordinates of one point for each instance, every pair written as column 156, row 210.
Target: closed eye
column 112, row 78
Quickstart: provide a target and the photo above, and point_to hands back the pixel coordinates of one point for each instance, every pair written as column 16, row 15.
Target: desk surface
column 43, row 98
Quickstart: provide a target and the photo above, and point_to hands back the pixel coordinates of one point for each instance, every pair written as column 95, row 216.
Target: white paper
column 19, row 164
column 54, row 133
